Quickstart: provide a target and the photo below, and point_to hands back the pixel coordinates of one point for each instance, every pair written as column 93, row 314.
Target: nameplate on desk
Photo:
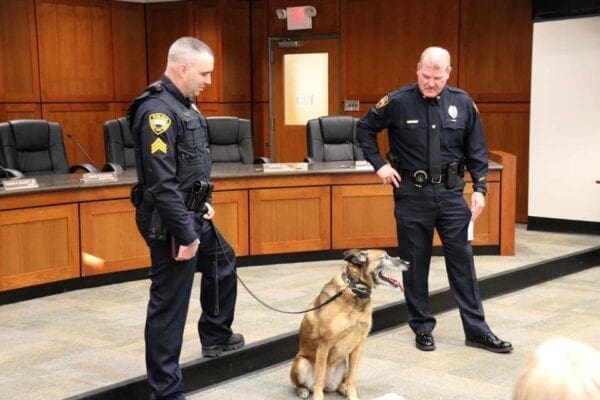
column 98, row 177
column 16, row 184
column 284, row 167
column 363, row 165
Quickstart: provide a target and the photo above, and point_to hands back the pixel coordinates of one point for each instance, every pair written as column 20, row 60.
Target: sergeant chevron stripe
column 158, row 145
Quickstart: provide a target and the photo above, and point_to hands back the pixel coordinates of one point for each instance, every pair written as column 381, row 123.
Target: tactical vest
column 193, row 152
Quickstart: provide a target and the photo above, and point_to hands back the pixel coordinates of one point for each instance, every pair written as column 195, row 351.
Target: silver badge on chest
column 452, row 112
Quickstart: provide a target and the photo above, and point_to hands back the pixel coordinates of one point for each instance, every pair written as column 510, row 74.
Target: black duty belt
column 421, row 178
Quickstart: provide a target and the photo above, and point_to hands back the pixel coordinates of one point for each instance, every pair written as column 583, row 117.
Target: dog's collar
column 358, row 287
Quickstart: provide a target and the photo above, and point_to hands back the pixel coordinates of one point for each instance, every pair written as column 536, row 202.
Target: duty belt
column 421, row 178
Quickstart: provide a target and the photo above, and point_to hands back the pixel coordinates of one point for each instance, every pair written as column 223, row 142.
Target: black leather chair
column 332, row 138
column 230, row 140
column 36, row 147
column 118, row 145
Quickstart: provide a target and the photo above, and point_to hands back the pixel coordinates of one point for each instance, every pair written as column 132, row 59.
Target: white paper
column 470, row 231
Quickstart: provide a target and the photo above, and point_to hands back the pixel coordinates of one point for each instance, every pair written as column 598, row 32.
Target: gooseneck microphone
column 82, row 149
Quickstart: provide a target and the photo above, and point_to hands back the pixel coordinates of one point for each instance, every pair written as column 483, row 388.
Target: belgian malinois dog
column 332, row 337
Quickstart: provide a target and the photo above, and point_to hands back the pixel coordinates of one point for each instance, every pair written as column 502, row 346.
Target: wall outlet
column 351, row 105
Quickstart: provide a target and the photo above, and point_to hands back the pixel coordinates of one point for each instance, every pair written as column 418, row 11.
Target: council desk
column 66, row 228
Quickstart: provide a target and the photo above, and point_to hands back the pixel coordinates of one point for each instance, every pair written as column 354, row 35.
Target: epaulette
column 155, row 87
column 456, row 90
column 403, row 89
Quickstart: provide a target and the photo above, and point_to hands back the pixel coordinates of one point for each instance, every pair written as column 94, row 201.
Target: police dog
column 332, row 337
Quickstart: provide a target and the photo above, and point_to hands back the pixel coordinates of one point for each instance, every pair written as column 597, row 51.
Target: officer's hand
column 187, row 252
column 477, row 205
column 210, row 213
column 389, row 175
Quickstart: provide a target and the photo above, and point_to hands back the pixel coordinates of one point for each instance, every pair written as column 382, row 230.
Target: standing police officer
column 434, row 134
column 173, row 168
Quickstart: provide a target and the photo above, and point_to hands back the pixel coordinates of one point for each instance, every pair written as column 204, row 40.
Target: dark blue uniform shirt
column 171, row 137
column 408, row 116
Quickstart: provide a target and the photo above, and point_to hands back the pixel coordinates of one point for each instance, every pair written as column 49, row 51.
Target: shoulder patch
column 383, row 102
column 159, row 122
column 158, row 146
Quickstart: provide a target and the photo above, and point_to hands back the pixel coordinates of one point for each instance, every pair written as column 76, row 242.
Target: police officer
column 172, row 158
column 434, row 133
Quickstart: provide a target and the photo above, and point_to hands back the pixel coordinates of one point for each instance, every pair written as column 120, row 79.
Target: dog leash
column 222, row 247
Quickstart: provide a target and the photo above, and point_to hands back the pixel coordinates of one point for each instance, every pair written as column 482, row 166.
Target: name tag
column 412, row 121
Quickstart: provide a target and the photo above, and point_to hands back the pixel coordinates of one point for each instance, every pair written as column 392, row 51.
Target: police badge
column 452, row 112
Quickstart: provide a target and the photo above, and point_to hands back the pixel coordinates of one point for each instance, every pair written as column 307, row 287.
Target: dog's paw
column 343, row 389
column 303, row 392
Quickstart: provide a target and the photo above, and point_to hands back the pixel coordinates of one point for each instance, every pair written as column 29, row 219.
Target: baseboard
column 563, row 225
column 203, row 373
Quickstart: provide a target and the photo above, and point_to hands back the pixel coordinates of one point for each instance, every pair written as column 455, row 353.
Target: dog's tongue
column 396, row 283
column 392, row 281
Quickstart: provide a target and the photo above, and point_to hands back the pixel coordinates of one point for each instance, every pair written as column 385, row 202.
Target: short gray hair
column 186, row 49
column 436, row 58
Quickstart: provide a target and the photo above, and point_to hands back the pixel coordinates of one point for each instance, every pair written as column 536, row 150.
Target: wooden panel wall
column 259, row 26
column 75, row 50
column 495, row 50
column 19, row 74
column 382, row 45
column 129, row 62
column 82, row 57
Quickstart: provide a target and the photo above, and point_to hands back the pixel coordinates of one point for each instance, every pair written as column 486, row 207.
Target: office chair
column 36, row 147
column 230, row 140
column 118, row 145
column 332, row 138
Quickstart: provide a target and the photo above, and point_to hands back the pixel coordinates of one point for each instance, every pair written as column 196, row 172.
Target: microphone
column 82, row 149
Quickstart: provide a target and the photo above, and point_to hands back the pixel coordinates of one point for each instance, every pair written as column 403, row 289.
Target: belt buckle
column 420, row 178
column 439, row 180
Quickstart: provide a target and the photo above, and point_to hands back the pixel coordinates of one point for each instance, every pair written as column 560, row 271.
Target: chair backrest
column 118, row 143
column 230, row 140
column 34, row 147
column 333, row 138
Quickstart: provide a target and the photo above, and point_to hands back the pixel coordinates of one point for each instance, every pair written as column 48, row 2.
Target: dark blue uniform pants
column 417, row 212
column 169, row 300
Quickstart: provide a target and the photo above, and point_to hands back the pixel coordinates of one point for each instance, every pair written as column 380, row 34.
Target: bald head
column 435, row 58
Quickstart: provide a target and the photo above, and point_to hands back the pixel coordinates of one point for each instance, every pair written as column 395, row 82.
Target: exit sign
column 298, row 18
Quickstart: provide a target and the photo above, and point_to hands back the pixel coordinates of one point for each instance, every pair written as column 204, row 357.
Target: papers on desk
column 363, row 165
column 284, row 167
column 16, row 184
column 99, row 177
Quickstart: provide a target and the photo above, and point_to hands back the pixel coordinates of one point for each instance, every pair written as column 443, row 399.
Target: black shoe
column 236, row 341
column 490, row 342
column 425, row 341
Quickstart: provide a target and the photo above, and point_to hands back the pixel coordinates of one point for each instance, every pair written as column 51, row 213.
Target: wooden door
column 306, row 84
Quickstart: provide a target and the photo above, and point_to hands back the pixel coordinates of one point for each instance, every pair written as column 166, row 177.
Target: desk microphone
column 82, row 149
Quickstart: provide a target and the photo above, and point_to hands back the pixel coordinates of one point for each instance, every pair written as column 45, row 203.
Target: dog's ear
column 356, row 256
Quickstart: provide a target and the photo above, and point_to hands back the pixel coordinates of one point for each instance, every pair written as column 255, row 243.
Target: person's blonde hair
column 436, row 58
column 560, row 369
